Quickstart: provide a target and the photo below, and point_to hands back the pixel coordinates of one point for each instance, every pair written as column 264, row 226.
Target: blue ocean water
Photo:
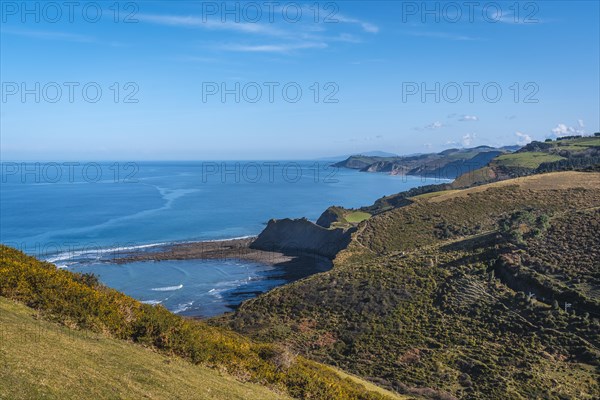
column 73, row 214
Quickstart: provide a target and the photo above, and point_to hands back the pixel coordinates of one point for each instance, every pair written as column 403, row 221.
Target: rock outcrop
column 330, row 216
column 302, row 236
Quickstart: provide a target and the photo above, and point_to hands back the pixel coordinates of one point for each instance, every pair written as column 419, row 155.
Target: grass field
column 536, row 157
column 573, row 148
column 40, row 359
column 357, row 216
column 550, row 181
column 434, row 194
column 526, row 160
column 585, row 142
column 371, row 386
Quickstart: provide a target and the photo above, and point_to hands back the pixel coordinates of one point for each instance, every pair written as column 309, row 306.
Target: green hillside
column 526, row 160
column 339, row 217
column 533, row 155
column 41, row 359
column 564, row 154
column 99, row 316
column 458, row 295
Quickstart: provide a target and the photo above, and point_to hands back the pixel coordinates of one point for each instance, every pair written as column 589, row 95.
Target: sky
column 192, row 80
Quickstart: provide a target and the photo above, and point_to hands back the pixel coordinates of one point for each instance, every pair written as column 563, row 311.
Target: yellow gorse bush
column 80, row 302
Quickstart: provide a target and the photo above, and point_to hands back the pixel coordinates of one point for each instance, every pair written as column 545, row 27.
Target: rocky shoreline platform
column 214, row 249
column 296, row 264
column 297, row 246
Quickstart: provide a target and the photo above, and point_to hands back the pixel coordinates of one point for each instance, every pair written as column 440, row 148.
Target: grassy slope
column 432, row 194
column 340, row 217
column 526, row 160
column 40, row 359
column 357, row 216
column 582, row 142
column 413, row 303
column 553, row 181
column 475, row 210
column 78, row 301
column 370, row 386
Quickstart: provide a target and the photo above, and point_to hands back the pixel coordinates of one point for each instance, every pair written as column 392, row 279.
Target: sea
column 78, row 215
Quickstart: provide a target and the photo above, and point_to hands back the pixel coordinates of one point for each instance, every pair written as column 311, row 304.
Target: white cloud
column 560, row 129
column 523, row 138
column 435, row 125
column 347, row 38
column 516, row 19
column 366, row 26
column 468, row 139
column 196, row 22
column 469, row 118
column 298, row 36
column 273, row 48
column 564, row 130
column 50, row 35
column 60, row 36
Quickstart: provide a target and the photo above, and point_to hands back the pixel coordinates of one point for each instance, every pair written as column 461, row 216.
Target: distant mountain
column 374, row 153
column 570, row 153
column 448, row 164
column 511, row 148
column 379, row 154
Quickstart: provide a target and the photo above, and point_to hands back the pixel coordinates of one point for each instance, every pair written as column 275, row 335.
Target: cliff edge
column 301, row 235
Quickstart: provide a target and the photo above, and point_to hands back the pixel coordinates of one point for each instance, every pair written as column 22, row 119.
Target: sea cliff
column 301, row 235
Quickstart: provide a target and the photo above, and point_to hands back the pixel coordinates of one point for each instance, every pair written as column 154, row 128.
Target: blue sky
column 369, row 60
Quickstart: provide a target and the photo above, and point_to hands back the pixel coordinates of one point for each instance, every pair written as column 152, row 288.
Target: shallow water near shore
column 78, row 216
column 199, row 288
